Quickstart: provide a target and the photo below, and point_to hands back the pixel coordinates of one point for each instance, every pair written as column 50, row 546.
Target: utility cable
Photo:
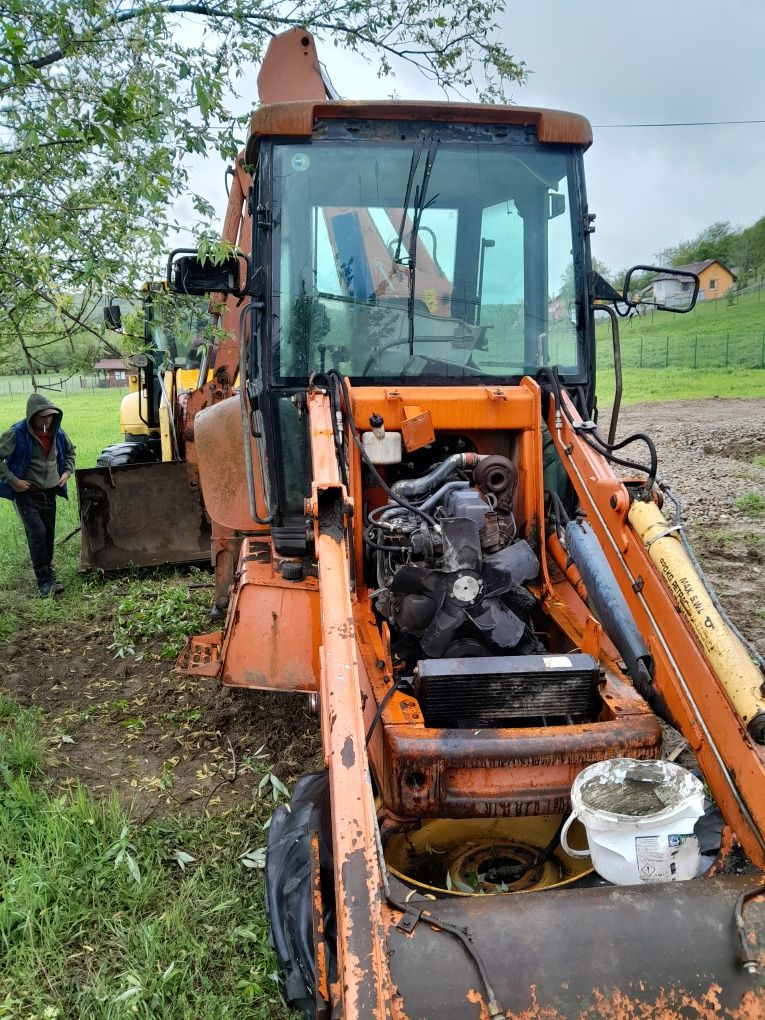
column 682, row 123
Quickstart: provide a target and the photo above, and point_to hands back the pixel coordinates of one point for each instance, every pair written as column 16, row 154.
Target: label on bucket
column 653, row 865
column 653, row 862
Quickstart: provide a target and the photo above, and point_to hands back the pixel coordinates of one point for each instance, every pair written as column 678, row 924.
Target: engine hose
column 703, row 577
column 558, row 509
column 427, row 504
column 410, row 488
column 372, row 544
column 333, row 373
column 604, row 448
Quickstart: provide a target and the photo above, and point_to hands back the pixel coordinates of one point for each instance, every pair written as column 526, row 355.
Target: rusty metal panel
column 219, row 452
column 472, row 773
column 665, row 951
column 141, row 515
column 273, row 633
column 201, row 655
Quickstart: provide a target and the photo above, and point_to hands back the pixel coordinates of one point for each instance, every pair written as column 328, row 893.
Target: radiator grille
column 512, row 690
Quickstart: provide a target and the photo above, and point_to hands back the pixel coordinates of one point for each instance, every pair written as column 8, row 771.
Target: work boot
column 56, row 587
column 44, row 578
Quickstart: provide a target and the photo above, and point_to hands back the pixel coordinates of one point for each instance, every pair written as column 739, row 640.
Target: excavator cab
column 438, row 552
column 405, row 252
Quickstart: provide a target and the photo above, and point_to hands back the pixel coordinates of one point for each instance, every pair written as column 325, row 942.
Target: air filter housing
column 508, row 690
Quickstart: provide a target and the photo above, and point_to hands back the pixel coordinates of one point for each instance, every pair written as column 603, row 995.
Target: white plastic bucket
column 639, row 818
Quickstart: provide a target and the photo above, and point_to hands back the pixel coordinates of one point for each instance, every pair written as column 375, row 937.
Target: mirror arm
column 617, row 369
column 171, row 259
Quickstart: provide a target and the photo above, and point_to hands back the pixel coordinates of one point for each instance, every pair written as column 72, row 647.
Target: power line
column 685, row 123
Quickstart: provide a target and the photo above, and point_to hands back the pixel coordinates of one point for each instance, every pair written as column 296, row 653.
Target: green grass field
column 717, row 350
column 715, row 334
column 643, row 385
column 101, row 919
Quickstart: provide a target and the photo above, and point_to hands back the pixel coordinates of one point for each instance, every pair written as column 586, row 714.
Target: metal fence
column 707, row 350
column 18, row 385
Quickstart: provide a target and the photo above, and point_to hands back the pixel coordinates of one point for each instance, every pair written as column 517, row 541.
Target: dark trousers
column 37, row 511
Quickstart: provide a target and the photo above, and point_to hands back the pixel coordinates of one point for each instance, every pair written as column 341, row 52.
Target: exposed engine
column 450, row 571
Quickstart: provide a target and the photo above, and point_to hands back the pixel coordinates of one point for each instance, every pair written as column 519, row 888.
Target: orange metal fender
column 220, row 457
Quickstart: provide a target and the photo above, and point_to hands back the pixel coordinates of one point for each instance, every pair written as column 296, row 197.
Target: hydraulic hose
column 596, row 442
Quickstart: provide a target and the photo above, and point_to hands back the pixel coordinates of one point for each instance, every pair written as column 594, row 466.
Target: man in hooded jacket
column 36, row 460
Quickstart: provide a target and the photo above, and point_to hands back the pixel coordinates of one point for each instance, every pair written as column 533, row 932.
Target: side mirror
column 666, row 290
column 188, row 274
column 113, row 317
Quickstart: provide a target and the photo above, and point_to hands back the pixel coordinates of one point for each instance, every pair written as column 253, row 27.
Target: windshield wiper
column 413, row 164
column 419, row 206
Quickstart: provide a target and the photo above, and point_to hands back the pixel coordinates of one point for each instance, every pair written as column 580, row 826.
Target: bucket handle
column 564, row 842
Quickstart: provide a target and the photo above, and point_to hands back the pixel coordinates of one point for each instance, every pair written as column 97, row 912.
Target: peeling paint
column 474, row 996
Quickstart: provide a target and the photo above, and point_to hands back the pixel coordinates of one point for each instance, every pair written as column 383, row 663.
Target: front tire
column 288, row 888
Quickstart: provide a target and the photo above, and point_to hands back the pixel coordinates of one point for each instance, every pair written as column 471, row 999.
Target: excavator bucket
column 141, row 515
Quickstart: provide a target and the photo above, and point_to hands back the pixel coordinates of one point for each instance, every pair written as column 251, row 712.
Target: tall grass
column 103, row 920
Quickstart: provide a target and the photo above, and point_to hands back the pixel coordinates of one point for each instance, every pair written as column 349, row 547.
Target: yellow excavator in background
column 140, row 505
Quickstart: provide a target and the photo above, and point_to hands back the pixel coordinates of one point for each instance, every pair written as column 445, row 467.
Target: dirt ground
column 167, row 743
column 708, row 453
column 164, row 742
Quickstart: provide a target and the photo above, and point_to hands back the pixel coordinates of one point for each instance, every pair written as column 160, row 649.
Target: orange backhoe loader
column 477, row 587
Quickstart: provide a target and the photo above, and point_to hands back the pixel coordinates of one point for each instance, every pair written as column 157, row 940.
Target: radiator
column 508, row 690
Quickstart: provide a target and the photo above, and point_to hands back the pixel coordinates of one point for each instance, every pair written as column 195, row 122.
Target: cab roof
column 297, row 119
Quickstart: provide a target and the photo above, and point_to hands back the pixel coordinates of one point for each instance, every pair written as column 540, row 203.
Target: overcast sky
column 659, row 61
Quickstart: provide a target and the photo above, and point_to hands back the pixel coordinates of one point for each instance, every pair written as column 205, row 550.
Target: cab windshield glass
column 425, row 257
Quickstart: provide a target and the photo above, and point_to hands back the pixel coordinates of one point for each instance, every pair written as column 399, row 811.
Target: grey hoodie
column 43, row 470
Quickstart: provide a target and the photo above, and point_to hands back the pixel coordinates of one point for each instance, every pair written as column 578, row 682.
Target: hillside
column 716, row 334
column 718, row 349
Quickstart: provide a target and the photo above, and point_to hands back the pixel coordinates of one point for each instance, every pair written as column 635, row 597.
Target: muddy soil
column 164, row 743
column 712, row 454
column 167, row 743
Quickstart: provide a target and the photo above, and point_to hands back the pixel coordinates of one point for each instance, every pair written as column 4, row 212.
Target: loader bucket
column 142, row 515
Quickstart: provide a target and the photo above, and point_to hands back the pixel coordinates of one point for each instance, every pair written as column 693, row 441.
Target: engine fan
column 482, row 592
